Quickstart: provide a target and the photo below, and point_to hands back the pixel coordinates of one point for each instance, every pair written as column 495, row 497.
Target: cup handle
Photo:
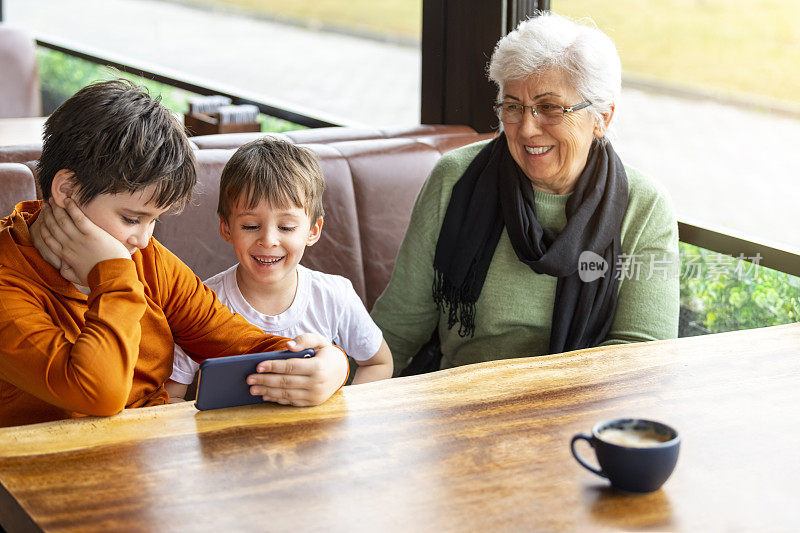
column 587, row 438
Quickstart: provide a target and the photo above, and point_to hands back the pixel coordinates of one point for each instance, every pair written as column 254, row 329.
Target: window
column 354, row 62
column 711, row 106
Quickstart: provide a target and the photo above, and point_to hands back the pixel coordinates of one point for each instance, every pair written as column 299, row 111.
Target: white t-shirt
column 324, row 304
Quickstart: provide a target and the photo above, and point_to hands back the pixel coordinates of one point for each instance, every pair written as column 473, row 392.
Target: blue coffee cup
column 634, row 454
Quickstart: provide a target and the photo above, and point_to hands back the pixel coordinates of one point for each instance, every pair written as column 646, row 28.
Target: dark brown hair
column 279, row 172
column 115, row 138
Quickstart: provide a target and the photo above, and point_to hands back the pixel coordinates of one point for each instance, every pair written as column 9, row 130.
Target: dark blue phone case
column 222, row 381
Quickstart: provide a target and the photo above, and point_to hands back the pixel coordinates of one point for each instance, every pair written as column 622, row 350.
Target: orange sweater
column 63, row 354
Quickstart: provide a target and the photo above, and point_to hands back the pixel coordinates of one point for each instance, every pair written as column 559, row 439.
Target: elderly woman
column 540, row 241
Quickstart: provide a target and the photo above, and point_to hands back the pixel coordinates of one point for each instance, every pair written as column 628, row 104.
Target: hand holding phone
column 302, row 382
column 223, row 381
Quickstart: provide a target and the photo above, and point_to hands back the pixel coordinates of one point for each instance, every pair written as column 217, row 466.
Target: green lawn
column 734, row 45
column 739, row 46
column 62, row 76
column 399, row 18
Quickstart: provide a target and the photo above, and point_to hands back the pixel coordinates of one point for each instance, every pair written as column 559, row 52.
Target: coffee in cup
column 633, row 438
column 635, row 455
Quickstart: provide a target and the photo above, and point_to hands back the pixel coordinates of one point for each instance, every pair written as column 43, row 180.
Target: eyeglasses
column 548, row 114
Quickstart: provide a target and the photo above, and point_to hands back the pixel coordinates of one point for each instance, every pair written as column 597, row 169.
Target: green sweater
column 514, row 311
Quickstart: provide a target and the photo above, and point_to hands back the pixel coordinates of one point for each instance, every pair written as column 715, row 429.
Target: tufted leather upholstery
column 16, row 185
column 386, row 174
column 193, row 235
column 327, row 135
column 19, row 80
column 436, row 135
column 371, row 185
column 20, row 153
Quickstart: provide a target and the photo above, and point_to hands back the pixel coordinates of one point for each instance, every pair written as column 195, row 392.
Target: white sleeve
column 356, row 333
column 183, row 367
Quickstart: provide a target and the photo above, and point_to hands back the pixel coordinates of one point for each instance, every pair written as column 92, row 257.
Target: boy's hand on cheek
column 301, row 382
column 50, row 247
column 79, row 243
column 40, row 231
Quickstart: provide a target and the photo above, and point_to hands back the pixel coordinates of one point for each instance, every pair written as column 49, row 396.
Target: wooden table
column 21, row 131
column 478, row 448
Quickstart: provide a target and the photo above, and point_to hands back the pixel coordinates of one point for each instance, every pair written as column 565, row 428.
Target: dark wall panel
column 458, row 37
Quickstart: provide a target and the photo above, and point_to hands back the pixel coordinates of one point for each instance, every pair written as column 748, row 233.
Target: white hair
column 585, row 54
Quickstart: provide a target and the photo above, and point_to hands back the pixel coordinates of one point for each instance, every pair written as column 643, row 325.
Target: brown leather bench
column 20, row 153
column 328, row 135
column 16, row 185
column 30, row 152
column 371, row 185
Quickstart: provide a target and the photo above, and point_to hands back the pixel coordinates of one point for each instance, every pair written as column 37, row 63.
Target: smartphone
column 222, row 381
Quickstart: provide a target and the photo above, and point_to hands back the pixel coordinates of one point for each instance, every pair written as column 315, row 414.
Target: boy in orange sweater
column 90, row 303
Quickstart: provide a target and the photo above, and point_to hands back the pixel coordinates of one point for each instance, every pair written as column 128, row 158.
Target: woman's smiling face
column 552, row 157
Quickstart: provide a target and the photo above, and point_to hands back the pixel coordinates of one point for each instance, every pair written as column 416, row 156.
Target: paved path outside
column 723, row 165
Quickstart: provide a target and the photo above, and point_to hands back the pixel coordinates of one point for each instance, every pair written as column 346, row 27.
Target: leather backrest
column 20, row 153
column 339, row 250
column 193, row 234
column 16, row 185
column 447, row 142
column 31, row 165
column 387, row 174
column 19, row 78
column 328, row 135
column 370, row 190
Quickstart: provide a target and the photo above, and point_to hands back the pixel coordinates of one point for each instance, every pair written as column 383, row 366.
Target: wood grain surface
column 478, row 448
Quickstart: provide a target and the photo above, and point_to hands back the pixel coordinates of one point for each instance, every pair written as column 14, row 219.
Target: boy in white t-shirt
column 270, row 209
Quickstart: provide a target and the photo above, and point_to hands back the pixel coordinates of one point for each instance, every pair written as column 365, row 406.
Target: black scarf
column 493, row 193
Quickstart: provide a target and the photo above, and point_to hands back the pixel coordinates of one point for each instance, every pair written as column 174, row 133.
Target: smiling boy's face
column 269, row 241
